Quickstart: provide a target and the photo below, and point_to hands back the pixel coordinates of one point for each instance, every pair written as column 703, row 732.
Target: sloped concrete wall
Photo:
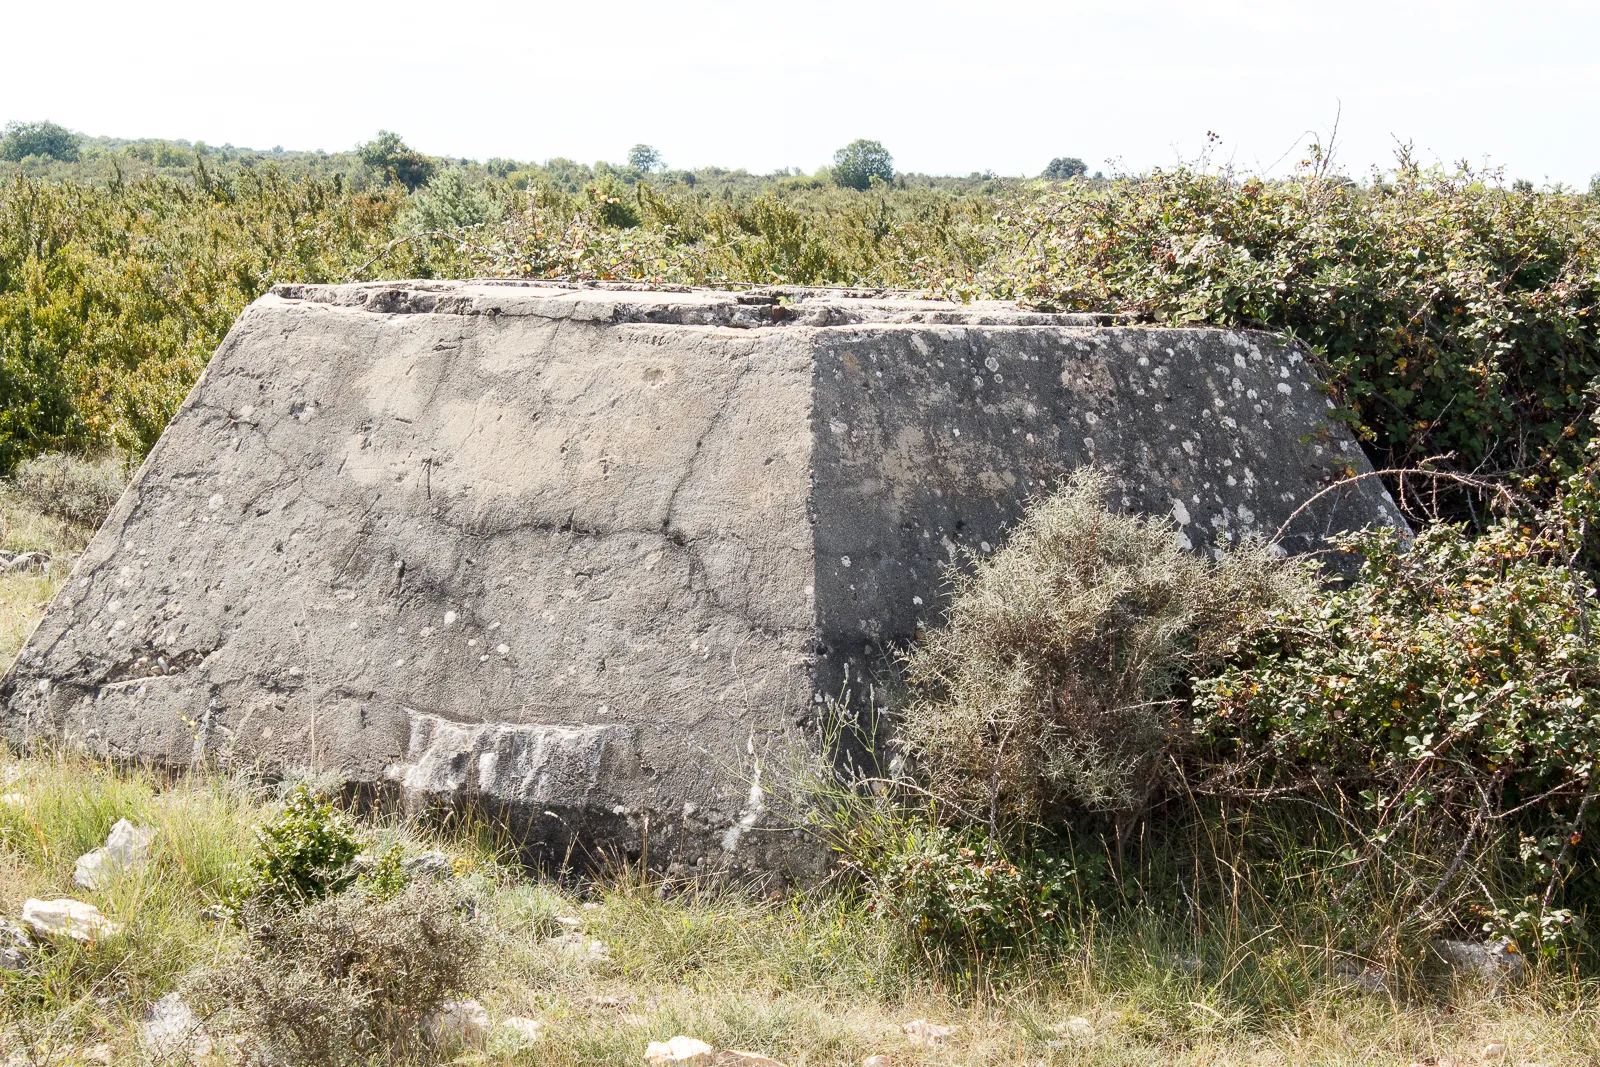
column 596, row 556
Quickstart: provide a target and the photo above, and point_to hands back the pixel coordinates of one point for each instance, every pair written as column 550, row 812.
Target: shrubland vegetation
column 1223, row 809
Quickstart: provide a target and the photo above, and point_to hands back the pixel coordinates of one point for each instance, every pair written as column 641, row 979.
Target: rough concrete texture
column 597, row 556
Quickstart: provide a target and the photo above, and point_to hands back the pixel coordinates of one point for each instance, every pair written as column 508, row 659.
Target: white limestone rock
column 127, row 849
column 172, row 1030
column 679, row 1049
column 65, row 917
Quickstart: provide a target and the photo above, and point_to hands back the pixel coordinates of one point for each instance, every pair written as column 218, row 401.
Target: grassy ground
column 810, row 980
column 23, row 596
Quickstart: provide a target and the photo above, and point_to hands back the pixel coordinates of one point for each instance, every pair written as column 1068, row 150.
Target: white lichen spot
column 750, row 814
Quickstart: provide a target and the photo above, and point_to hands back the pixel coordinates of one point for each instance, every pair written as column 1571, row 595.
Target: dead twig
column 1500, row 492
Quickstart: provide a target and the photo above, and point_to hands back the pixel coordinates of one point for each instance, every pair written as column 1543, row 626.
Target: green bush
column 1058, row 679
column 304, row 854
column 614, row 204
column 1448, row 704
column 1448, row 314
column 953, row 890
column 448, row 202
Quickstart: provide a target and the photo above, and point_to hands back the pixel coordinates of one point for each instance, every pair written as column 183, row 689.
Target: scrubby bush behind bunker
column 1059, row 677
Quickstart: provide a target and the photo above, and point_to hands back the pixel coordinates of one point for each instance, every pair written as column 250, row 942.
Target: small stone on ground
column 922, row 1032
column 679, row 1049
column 171, row 1030
column 66, row 917
column 127, row 848
column 16, row 946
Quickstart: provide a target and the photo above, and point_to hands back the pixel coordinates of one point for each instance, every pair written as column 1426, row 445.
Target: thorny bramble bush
column 1450, row 696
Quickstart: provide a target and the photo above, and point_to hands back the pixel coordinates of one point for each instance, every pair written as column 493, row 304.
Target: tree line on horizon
column 46, row 142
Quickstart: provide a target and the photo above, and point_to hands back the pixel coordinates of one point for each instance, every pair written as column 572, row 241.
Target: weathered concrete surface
column 597, row 555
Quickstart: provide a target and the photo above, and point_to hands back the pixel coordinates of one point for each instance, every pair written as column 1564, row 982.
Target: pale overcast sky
column 947, row 87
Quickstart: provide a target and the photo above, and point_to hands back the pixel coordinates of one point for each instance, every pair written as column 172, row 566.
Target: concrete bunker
column 597, row 555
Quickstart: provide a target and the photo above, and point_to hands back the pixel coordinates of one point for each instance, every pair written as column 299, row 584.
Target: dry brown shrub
column 349, row 979
column 1059, row 675
column 76, row 490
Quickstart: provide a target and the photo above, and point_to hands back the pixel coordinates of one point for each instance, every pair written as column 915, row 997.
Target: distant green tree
column 23, row 139
column 1594, row 185
column 642, row 157
column 857, row 163
column 1063, row 167
column 449, row 203
column 1522, row 185
column 388, row 156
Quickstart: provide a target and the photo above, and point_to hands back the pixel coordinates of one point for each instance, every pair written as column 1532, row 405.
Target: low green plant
column 305, row 853
column 386, row 877
column 954, row 890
